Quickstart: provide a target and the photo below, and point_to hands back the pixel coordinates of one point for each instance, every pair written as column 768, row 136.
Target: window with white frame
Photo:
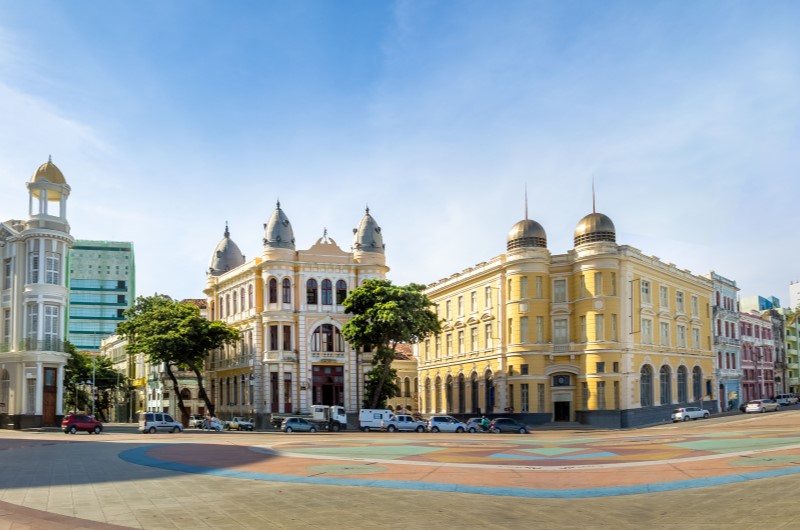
column 473, row 338
column 582, row 322
column 664, row 333
column 523, row 329
column 473, row 301
column 646, row 298
column 461, row 341
column 524, row 397
column 647, row 331
column 487, row 336
column 449, row 344
column 663, row 297
column 598, row 284
column 448, row 312
column 583, row 291
column 613, row 284
column 614, row 334
column 560, row 331
column 695, row 306
column 7, row 326
column 7, row 273
column 51, row 327
column 679, row 302
column 438, row 344
column 33, row 267
column 540, row 329
column 487, row 294
column 33, row 321
column 559, row 290
column 523, row 287
column 461, row 306
column 696, row 338
column 538, row 287
column 681, row 336
column 599, row 328
column 601, row 395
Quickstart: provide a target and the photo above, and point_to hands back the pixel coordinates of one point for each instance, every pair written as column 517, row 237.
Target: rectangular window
column 613, row 284
column 695, row 306
column 488, row 336
column 646, row 292
column 601, row 395
column 51, row 323
column 523, row 287
column 461, row 341
column 540, row 396
column 510, row 329
column 540, row 329
column 615, row 367
column 538, row 287
column 559, row 290
column 7, row 326
column 287, row 338
column 598, row 284
column 524, row 399
column 438, row 350
column 647, row 331
column 614, row 335
column 461, row 306
column 695, row 338
column 473, row 339
column 473, row 301
column 681, row 336
column 523, row 329
column 523, row 369
column 582, row 321
column 7, row 273
column 600, row 367
column 664, row 333
column 33, row 321
column 585, row 396
column 448, row 313
column 663, row 297
column 511, row 396
column 582, row 290
column 487, row 297
column 616, row 395
column 560, row 331
column 273, row 337
column 33, row 267
column 599, row 328
column 679, row 302
column 52, row 274
column 449, row 344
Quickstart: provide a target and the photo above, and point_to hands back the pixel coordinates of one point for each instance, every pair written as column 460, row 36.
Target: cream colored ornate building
column 287, row 303
column 602, row 335
column 33, row 302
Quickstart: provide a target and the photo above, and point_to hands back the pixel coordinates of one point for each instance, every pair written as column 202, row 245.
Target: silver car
column 689, row 413
column 445, row 424
column 762, row 405
column 298, row 424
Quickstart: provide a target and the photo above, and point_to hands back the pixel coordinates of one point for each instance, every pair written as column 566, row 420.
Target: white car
column 762, row 405
column 152, row 422
column 402, row 422
column 445, row 424
column 689, row 413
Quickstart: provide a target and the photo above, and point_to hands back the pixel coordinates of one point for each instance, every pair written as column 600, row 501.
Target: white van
column 786, row 399
column 152, row 422
column 371, row 419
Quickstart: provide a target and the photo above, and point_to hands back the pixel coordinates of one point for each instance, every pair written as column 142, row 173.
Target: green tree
column 83, row 369
column 171, row 332
column 385, row 315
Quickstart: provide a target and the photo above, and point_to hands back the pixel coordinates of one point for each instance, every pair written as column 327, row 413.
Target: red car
column 73, row 423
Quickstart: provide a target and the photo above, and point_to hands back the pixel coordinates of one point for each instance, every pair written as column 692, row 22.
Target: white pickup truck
column 402, row 422
column 239, row 424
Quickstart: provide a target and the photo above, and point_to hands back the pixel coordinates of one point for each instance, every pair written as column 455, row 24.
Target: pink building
column 758, row 357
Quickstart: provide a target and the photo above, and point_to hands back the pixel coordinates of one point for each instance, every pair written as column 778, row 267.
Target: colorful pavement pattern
column 546, row 464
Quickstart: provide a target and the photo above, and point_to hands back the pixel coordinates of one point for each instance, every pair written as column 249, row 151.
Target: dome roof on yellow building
column 278, row 231
column 226, row 256
column 526, row 234
column 50, row 173
column 368, row 237
column 595, row 227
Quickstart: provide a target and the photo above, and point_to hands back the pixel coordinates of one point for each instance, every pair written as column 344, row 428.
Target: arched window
column 235, row 391
column 462, row 394
column 437, row 391
column 407, row 387
column 221, row 308
column 327, row 292
column 427, row 395
column 273, row 291
column 341, row 291
column 241, row 299
column 311, row 292
column 249, row 297
column 327, row 338
column 646, row 386
column 234, row 303
column 227, row 305
column 665, row 380
column 186, row 394
column 287, row 291
column 683, row 389
column 489, row 392
column 697, row 383
column 448, row 394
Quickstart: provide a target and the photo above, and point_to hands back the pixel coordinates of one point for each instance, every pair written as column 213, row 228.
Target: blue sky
column 170, row 118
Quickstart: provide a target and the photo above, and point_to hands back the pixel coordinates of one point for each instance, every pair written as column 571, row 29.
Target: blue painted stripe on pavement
column 139, row 456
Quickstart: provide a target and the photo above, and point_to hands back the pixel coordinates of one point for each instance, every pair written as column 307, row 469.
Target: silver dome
column 595, row 227
column 226, row 256
column 526, row 234
column 368, row 236
column 278, row 231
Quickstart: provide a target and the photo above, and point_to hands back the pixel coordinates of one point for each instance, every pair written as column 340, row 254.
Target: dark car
column 73, row 423
column 508, row 425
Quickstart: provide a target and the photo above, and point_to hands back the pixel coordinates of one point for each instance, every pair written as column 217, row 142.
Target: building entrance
column 328, row 382
column 561, row 411
column 49, row 398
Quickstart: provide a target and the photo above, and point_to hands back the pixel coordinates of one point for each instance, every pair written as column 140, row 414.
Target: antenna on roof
column 593, row 207
column 526, row 201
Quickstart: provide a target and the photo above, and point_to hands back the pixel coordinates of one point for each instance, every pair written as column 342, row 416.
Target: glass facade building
column 101, row 286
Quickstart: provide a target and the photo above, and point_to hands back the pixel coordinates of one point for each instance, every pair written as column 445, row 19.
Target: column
column 281, row 400
column 60, row 390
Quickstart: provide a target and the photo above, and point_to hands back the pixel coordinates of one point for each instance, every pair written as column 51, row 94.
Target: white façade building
column 33, row 304
column 287, row 304
column 727, row 343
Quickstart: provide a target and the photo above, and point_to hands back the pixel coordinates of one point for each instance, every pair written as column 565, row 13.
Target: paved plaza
column 737, row 471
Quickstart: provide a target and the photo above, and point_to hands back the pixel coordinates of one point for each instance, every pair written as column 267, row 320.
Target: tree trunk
column 177, row 390
column 203, row 395
column 386, row 362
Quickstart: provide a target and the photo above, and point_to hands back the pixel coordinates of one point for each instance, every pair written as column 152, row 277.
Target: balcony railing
column 42, row 345
column 727, row 340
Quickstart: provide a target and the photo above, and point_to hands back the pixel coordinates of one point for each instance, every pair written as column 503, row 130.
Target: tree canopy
column 84, row 368
column 385, row 315
column 175, row 333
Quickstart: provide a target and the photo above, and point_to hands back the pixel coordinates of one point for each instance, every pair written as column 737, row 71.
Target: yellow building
column 602, row 335
column 407, row 398
column 287, row 303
